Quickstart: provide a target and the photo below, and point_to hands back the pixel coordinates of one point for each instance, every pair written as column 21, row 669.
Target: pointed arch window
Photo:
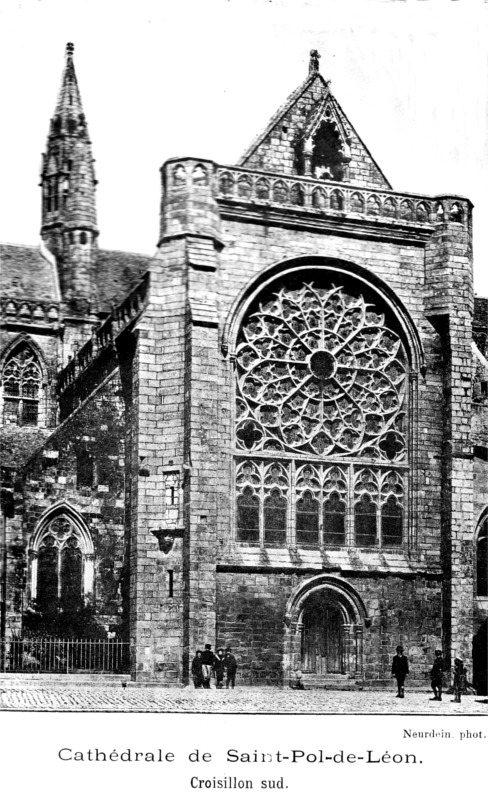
column 321, row 447
column 248, row 516
column 62, row 569
column 85, row 468
column 482, row 560
column 327, row 156
column 22, row 387
column 307, row 519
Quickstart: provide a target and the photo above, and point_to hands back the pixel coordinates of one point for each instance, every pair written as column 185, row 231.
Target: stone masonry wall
column 97, row 428
column 251, row 613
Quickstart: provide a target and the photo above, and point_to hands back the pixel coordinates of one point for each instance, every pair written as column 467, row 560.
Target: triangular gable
column 294, row 142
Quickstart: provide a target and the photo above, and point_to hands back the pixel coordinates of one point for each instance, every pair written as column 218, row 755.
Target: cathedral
column 270, row 436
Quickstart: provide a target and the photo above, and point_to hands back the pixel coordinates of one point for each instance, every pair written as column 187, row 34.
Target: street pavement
column 241, row 700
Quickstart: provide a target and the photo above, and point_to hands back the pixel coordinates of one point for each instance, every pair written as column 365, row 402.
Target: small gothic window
column 307, row 520
column 60, row 564
column 365, row 522
column 275, row 507
column 83, row 238
column 199, row 174
column 334, row 520
column 51, row 195
column 179, row 175
column 21, row 387
column 391, row 523
column 327, row 157
column 482, row 561
column 47, row 575
column 248, row 516
column 455, row 213
column 84, row 468
column 71, row 572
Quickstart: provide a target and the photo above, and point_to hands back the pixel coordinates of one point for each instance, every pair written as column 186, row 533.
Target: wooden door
column 322, row 640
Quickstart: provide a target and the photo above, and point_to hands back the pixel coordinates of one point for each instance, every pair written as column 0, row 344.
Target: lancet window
column 482, row 560
column 61, row 574
column 321, row 402
column 22, row 382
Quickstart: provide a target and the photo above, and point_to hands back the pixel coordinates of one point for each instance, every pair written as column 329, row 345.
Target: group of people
column 400, row 670
column 221, row 665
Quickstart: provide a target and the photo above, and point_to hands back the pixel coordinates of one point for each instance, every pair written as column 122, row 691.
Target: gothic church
column 272, row 435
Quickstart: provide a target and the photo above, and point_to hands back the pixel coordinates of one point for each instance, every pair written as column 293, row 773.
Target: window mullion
column 321, row 499
column 292, row 516
column 261, row 505
column 350, row 533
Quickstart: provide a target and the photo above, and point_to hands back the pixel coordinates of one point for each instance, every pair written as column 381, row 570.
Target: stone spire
column 69, row 224
column 69, row 99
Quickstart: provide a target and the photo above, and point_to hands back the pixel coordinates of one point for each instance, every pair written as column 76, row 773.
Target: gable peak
column 310, row 135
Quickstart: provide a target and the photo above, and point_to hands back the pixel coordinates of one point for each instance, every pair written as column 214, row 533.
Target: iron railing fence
column 64, row 656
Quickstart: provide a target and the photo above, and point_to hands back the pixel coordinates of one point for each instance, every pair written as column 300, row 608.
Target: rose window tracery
column 320, row 372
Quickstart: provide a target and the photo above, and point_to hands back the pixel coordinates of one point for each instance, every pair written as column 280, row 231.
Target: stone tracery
column 319, row 372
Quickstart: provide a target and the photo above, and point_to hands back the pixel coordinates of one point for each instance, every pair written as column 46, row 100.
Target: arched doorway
column 323, row 635
column 324, row 641
column 480, row 659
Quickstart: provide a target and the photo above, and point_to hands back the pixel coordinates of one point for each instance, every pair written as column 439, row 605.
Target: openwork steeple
column 69, row 224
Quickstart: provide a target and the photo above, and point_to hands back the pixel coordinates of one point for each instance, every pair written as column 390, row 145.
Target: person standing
column 219, row 668
column 460, row 680
column 399, row 670
column 230, row 668
column 208, row 659
column 197, row 670
column 436, row 675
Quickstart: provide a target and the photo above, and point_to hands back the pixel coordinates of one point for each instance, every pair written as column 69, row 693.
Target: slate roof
column 26, row 274
column 117, row 273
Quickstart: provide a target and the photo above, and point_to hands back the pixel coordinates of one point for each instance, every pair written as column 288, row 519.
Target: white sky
column 201, row 77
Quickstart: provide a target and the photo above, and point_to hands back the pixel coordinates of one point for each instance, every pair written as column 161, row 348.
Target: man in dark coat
column 460, row 681
column 399, row 670
column 231, row 668
column 208, row 659
column 219, row 668
column 197, row 670
column 436, row 675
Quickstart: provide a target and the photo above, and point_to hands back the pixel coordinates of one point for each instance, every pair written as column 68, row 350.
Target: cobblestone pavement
column 241, row 700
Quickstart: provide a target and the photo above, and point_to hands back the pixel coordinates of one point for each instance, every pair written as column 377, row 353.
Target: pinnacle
column 313, row 65
column 69, row 99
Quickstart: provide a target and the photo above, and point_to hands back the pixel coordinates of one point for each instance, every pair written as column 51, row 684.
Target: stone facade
column 295, row 412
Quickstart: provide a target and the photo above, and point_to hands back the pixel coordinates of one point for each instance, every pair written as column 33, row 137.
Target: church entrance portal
column 323, row 636
column 325, row 625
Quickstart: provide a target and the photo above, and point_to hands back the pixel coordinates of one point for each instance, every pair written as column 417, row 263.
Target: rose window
column 319, row 371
